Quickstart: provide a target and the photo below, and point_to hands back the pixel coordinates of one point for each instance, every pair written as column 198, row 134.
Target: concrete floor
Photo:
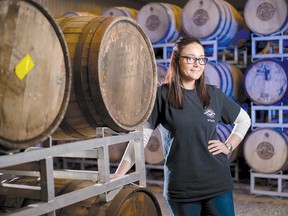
column 245, row 203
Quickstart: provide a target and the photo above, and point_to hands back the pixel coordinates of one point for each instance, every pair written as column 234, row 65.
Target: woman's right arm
column 128, row 159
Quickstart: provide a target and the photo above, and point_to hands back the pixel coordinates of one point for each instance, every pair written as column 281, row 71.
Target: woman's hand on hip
column 217, row 147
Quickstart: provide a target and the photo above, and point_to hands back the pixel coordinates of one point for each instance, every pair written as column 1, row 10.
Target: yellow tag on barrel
column 24, row 67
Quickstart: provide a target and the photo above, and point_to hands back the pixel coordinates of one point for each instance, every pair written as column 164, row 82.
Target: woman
column 197, row 179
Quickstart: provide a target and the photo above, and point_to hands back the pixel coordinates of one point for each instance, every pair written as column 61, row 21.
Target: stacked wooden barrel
column 160, row 21
column 114, row 76
column 212, row 19
column 120, row 11
column 35, row 74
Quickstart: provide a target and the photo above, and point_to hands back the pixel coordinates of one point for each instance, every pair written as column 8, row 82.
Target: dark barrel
column 115, row 77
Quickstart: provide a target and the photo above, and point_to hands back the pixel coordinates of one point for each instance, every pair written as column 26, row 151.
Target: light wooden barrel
column 265, row 81
column 120, row 11
column 115, row 77
column 78, row 13
column 154, row 149
column 223, row 132
column 33, row 100
column 161, row 73
column 131, row 199
column 228, row 78
column 160, row 21
column 266, row 150
column 214, row 19
column 116, row 152
column 266, row 17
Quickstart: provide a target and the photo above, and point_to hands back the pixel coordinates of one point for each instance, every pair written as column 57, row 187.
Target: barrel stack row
column 207, row 20
column 266, row 147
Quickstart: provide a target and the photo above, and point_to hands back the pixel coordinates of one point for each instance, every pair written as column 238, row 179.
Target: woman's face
column 189, row 72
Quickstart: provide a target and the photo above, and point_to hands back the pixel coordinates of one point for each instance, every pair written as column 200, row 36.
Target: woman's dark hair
column 175, row 93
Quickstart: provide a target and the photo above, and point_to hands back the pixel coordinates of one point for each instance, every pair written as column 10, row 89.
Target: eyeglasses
column 192, row 60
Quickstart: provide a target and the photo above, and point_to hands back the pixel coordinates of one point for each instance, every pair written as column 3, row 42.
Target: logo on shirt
column 210, row 114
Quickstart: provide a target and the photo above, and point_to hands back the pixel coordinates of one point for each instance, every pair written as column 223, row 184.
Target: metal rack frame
column 234, row 167
column 280, row 177
column 213, row 45
column 279, row 37
column 271, row 123
column 21, row 164
column 167, row 47
column 239, row 56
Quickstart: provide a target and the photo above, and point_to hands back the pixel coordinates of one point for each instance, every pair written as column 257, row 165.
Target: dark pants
column 218, row 206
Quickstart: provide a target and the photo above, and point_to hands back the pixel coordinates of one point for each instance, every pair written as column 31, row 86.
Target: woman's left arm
column 242, row 124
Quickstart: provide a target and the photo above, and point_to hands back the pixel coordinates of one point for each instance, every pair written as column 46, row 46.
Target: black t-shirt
column 191, row 172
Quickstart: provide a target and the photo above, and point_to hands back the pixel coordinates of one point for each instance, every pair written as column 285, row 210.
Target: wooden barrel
column 266, row 17
column 228, row 78
column 266, row 150
column 78, row 13
column 116, row 152
column 115, row 77
column 161, row 73
column 154, row 149
column 11, row 201
column 35, row 74
column 214, row 19
column 160, row 21
column 223, row 132
column 134, row 199
column 120, row 11
column 265, row 81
